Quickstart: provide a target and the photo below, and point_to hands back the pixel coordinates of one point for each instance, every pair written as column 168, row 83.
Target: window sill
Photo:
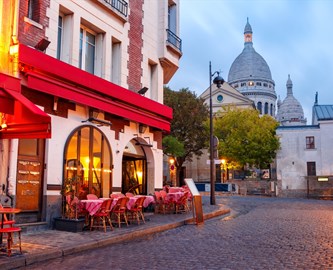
column 32, row 22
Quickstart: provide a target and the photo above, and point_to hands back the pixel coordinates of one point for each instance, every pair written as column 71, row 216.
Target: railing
column 119, row 5
column 174, row 40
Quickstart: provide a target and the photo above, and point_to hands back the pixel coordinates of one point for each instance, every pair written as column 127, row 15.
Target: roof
column 323, row 112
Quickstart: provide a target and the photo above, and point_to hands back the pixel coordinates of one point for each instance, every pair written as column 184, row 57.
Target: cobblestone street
column 259, row 233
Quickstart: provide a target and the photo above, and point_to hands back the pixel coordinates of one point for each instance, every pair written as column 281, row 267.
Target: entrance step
column 33, row 227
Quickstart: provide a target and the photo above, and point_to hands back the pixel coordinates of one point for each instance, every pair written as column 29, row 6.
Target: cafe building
column 81, row 96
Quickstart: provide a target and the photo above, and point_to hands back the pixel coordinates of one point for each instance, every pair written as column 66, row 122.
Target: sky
column 294, row 37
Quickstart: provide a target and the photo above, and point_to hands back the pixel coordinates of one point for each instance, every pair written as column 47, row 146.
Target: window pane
column 80, row 49
column 60, row 27
column 97, row 159
column 28, row 147
column 90, row 53
column 84, row 152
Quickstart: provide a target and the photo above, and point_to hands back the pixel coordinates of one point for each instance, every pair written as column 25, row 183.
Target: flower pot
column 69, row 225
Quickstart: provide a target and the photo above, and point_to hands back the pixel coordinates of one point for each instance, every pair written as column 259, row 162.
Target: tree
column 187, row 126
column 247, row 138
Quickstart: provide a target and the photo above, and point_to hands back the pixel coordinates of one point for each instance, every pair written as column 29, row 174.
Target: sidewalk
column 52, row 244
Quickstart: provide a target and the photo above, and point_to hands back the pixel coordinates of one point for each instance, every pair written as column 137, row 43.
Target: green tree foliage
column 187, row 126
column 247, row 138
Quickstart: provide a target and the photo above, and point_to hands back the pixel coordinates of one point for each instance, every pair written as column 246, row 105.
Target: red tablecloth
column 174, row 196
column 92, row 206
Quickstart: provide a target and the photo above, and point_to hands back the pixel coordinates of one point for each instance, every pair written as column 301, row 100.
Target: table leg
column 2, row 221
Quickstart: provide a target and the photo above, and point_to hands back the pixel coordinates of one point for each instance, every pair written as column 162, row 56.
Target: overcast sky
column 294, row 37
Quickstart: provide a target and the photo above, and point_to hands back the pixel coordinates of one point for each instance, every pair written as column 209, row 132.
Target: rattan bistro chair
column 102, row 215
column 119, row 211
column 136, row 212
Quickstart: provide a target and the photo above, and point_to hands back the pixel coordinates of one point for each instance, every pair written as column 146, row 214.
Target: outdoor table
column 92, row 206
column 176, row 189
column 149, row 199
column 174, row 196
column 3, row 212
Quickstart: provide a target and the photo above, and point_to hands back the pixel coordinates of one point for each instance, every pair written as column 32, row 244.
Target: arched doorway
column 134, row 169
column 87, row 156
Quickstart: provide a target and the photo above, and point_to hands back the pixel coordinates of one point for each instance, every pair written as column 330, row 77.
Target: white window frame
column 83, row 49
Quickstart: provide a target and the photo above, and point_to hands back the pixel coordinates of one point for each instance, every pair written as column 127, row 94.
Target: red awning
column 23, row 118
column 54, row 77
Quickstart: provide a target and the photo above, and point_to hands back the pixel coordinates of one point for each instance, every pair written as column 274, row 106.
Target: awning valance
column 23, row 118
column 51, row 76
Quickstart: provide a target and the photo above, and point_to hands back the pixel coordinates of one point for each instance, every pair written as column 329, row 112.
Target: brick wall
column 135, row 45
column 32, row 31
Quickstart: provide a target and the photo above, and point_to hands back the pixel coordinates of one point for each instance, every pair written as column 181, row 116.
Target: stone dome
column 251, row 76
column 290, row 111
column 249, row 65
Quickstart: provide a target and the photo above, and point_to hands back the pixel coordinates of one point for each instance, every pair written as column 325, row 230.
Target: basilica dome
column 251, row 76
column 249, row 65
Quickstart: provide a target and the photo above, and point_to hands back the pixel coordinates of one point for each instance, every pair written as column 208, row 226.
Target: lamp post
column 218, row 81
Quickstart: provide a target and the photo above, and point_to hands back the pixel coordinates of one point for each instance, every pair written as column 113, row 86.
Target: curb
column 54, row 253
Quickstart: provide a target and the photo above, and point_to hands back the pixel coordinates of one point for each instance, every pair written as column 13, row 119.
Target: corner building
column 81, row 95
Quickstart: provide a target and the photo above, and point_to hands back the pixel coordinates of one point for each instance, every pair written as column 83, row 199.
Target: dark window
column 266, row 108
column 271, row 113
column 33, row 10
column 311, row 167
column 258, row 83
column 310, row 142
column 243, row 84
column 259, row 107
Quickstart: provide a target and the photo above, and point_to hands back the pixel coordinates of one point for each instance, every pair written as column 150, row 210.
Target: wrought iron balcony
column 119, row 5
column 174, row 40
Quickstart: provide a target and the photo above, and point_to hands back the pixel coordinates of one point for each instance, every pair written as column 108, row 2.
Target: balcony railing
column 119, row 5
column 174, row 40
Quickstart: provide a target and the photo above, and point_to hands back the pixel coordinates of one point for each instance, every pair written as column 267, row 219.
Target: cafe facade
column 81, row 96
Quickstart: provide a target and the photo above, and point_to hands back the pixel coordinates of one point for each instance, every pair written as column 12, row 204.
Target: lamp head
column 218, row 80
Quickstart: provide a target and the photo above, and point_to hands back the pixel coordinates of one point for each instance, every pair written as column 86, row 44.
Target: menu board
column 191, row 185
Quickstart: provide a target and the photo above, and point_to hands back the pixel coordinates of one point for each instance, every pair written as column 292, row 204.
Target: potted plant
column 71, row 219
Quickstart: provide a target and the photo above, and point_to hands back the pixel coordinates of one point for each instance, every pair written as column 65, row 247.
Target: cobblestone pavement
column 259, row 233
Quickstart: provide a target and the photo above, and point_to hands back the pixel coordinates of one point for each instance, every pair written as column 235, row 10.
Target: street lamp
column 218, row 81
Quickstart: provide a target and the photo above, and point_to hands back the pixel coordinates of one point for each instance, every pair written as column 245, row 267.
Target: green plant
column 70, row 197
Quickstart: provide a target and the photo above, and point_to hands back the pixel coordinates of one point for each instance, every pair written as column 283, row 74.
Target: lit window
column 87, row 50
column 310, row 142
column 251, row 83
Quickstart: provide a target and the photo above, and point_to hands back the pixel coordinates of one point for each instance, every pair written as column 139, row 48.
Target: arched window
column 272, row 110
column 259, row 107
column 87, row 156
column 266, row 108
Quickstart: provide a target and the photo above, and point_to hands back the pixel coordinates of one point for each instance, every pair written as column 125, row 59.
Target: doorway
column 29, row 187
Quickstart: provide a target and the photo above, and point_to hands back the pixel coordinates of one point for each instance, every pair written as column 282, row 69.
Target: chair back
column 92, row 197
column 106, row 206
column 158, row 196
column 121, row 204
column 139, row 202
column 116, row 195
